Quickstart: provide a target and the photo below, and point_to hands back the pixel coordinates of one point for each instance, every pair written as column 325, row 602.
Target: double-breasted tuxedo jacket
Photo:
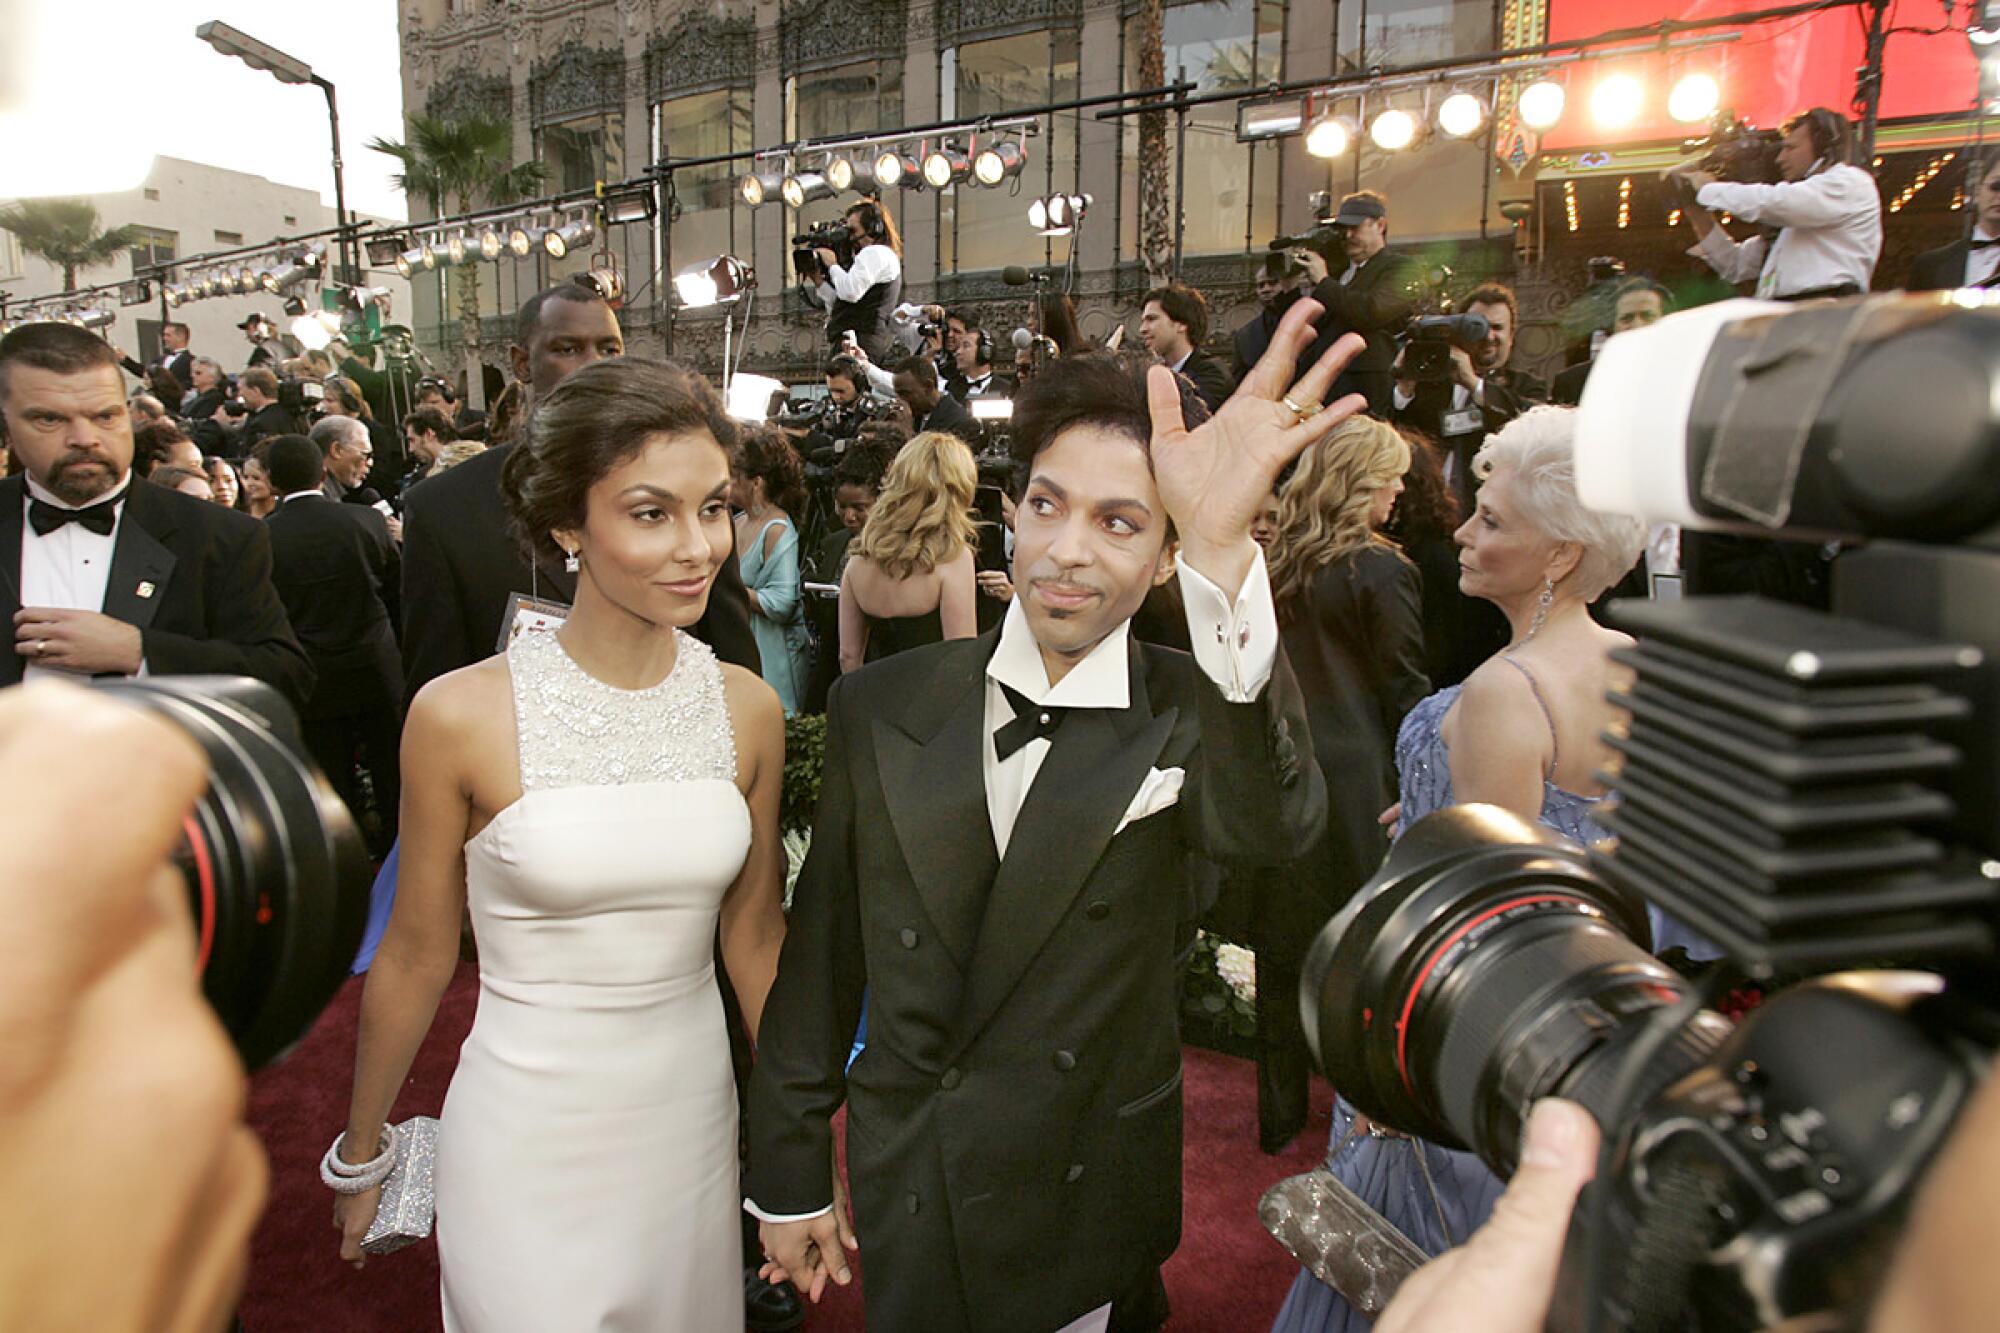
column 1014, row 1124
column 193, row 577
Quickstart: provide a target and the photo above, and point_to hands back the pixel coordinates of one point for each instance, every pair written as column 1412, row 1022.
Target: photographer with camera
column 1482, row 394
column 858, row 282
column 259, row 390
column 1827, row 212
column 1365, row 287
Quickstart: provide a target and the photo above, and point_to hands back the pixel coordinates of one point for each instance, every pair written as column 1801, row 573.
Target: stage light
column 91, row 319
column 945, row 167
column 606, row 282
column 1694, row 98
column 455, row 248
column 207, row 285
column 1271, row 118
column 1541, row 104
column 246, row 279
column 844, row 173
column 1394, row 130
column 409, row 261
column 717, row 281
column 757, row 186
column 382, row 248
column 559, row 241
column 893, row 167
column 1616, row 100
column 427, row 255
column 176, row 295
column 624, row 205
column 805, row 188
column 1330, row 136
column 749, row 397
column 1461, row 115
column 997, row 162
column 1058, row 214
column 520, row 240
column 491, row 243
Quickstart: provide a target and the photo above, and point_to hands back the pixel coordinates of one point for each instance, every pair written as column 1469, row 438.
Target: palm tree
column 65, row 233
column 457, row 166
column 1156, row 230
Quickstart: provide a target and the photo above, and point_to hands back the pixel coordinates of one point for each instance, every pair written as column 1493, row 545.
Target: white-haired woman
column 1522, row 732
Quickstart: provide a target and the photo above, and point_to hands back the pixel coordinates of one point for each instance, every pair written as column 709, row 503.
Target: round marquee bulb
column 1694, row 98
column 1328, row 137
column 1393, row 130
column 1541, row 104
column 1616, row 100
column 1461, row 115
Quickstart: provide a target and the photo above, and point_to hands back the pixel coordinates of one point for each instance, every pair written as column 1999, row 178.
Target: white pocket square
column 1161, row 789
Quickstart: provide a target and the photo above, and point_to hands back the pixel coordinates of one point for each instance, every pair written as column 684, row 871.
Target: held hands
column 807, row 1252
column 1216, row 478
column 86, row 642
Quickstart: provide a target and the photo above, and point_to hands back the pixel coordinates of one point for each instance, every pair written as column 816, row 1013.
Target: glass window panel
column 986, row 228
column 579, row 153
column 847, row 99
column 1403, row 32
column 155, row 246
column 704, row 125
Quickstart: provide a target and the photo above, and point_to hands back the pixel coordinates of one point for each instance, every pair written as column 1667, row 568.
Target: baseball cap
column 254, row 317
column 1357, row 207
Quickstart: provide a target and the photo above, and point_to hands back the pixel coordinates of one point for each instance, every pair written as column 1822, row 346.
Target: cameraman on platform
column 1827, row 211
column 859, row 295
column 1371, row 292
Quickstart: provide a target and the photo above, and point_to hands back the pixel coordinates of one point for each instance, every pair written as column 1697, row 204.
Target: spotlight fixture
column 246, row 279
column 1269, row 118
column 427, row 255
column 757, row 186
column 804, row 188
column 624, row 205
column 287, row 279
column 1461, row 115
column 561, row 240
column 208, row 284
column 1541, row 104
column 1694, row 98
column 91, row 319
column 718, row 281
column 491, row 243
column 176, row 295
column 1330, row 135
column 748, row 397
column 893, row 167
column 383, row 247
column 997, row 162
column 1616, row 100
column 606, row 283
column 267, row 279
column 520, row 240
column 844, row 173
column 409, row 261
column 945, row 167
column 455, row 247
column 1394, row 130
column 1058, row 214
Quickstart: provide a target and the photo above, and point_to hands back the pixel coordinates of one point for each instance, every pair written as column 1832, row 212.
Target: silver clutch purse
column 408, row 1202
column 1339, row 1239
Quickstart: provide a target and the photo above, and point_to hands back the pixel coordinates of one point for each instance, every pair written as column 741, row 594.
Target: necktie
column 1031, row 722
column 1977, row 243
column 45, row 518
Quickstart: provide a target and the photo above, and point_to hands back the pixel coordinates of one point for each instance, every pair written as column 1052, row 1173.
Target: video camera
column 1813, row 792
column 301, row 398
column 1732, row 150
column 831, row 235
column 1326, row 240
column 1428, row 342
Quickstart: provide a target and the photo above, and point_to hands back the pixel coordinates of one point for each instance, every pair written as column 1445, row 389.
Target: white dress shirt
column 872, row 264
column 1981, row 265
column 67, row 569
column 1831, row 231
column 1235, row 645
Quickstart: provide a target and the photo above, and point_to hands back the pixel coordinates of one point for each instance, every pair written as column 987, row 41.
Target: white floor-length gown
column 586, row 1171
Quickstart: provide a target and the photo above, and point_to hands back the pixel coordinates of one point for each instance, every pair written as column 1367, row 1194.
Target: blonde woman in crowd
column 910, row 578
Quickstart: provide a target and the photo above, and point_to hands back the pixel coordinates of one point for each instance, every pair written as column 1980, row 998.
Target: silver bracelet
column 344, row 1177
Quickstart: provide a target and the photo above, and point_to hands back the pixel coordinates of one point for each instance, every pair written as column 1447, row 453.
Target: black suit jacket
column 1209, row 378
column 267, row 421
column 954, row 418
column 1569, row 384
column 1376, row 304
column 195, row 579
column 1249, row 341
column 1014, row 1125
column 460, row 565
column 337, row 572
column 1941, row 269
column 1506, row 396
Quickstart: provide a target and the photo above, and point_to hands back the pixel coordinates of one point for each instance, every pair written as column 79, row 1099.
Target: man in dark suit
column 335, row 569
column 1173, row 323
column 461, row 569
column 1277, row 288
column 931, row 408
column 175, row 359
column 1482, row 395
column 1635, row 303
column 999, row 861
column 972, row 351
column 102, row 575
column 1972, row 261
column 1373, row 295
column 258, row 388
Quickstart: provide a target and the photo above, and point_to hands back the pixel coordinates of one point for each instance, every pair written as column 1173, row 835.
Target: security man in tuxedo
column 1365, row 288
column 102, row 575
column 1973, row 261
column 999, row 862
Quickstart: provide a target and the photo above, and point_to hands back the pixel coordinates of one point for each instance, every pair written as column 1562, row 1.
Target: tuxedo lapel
column 140, row 563
column 933, row 781
column 1095, row 765
column 11, row 504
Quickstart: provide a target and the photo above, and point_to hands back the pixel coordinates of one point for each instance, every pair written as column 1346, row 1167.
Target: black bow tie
column 1031, row 722
column 1977, row 244
column 100, row 518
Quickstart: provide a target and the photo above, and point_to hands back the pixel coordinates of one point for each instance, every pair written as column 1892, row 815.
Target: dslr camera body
column 1815, row 793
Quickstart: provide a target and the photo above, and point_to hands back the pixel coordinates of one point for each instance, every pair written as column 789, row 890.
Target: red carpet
column 1228, row 1275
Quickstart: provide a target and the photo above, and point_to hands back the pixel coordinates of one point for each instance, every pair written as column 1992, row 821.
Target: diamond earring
column 572, row 561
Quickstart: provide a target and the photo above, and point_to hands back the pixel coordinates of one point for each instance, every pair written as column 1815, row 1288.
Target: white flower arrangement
column 1238, row 966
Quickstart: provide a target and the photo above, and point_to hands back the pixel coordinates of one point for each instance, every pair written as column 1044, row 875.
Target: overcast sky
column 207, row 107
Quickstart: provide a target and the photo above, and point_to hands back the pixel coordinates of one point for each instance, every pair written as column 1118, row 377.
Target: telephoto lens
column 1484, row 967
column 277, row 874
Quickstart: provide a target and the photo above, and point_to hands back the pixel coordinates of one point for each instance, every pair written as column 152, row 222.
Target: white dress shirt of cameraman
column 875, row 259
column 1828, row 212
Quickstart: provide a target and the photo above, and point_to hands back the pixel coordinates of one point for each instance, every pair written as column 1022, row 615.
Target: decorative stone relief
column 817, row 33
column 700, row 52
column 576, row 81
column 466, row 92
column 966, row 19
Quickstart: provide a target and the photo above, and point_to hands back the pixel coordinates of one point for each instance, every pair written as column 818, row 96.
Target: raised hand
column 1214, row 479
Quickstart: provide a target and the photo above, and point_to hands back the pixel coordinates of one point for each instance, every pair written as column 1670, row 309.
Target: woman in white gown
column 600, row 795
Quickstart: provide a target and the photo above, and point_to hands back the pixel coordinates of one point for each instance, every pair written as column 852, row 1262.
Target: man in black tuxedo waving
column 103, row 575
column 998, row 859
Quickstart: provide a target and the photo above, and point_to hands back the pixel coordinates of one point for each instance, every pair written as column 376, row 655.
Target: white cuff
column 1235, row 646
column 763, row 1216
column 1400, row 400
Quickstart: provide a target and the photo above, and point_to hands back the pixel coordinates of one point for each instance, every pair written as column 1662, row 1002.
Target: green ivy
column 805, row 759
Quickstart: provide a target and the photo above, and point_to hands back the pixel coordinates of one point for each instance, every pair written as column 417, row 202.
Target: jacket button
column 910, row 1201
column 1074, row 1174
column 1064, row 1061
column 952, row 1078
column 909, row 938
column 1097, row 911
